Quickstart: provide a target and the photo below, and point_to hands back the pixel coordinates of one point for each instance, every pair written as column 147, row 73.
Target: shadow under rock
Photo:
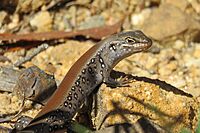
column 162, row 84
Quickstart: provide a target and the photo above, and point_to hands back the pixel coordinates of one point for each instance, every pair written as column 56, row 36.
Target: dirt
column 174, row 60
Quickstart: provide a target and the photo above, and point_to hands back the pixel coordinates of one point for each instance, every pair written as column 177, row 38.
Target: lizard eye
column 130, row 40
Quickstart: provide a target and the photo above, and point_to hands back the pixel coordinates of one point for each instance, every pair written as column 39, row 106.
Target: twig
column 34, row 53
column 95, row 33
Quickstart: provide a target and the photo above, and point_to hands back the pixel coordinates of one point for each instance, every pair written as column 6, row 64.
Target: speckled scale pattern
column 97, row 65
column 87, row 80
column 55, row 121
column 90, row 76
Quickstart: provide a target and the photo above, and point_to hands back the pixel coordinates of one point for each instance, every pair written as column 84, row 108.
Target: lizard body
column 91, row 69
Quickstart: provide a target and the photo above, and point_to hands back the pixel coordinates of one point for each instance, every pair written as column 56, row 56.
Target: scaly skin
column 92, row 69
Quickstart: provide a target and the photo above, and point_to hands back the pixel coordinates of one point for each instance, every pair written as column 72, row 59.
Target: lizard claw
column 122, row 82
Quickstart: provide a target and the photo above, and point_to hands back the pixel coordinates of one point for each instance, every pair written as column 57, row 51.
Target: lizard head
column 125, row 44
column 132, row 41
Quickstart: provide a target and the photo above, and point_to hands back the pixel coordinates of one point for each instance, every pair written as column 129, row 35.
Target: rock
column 181, row 4
column 3, row 15
column 139, row 18
column 15, row 21
column 196, row 53
column 25, row 6
column 195, row 4
column 94, row 21
column 42, row 21
column 192, row 61
column 128, row 104
column 168, row 20
column 4, row 101
column 168, row 69
column 178, row 44
column 142, row 125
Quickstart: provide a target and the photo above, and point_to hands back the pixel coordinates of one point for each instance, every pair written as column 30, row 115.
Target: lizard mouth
column 139, row 46
column 146, row 46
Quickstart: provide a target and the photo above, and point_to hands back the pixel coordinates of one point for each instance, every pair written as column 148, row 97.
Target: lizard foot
column 121, row 82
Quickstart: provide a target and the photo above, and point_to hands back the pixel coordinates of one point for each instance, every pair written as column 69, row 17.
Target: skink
column 90, row 70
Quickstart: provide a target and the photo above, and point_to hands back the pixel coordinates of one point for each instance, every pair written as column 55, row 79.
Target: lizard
column 88, row 72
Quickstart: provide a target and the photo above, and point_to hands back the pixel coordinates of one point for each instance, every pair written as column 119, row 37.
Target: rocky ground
column 162, row 77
